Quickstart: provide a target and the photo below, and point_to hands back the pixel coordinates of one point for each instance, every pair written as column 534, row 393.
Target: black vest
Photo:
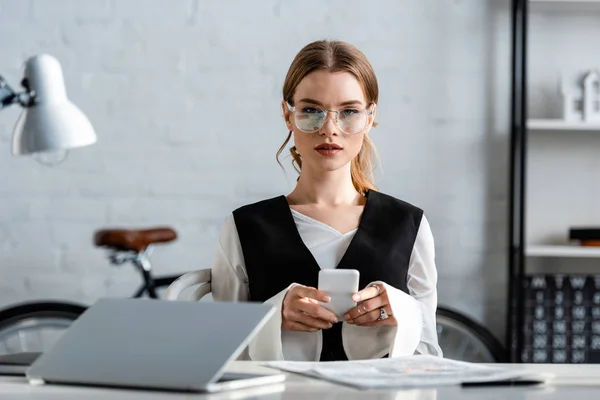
column 275, row 255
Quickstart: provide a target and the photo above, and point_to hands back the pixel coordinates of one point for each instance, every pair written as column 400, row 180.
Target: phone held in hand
column 340, row 285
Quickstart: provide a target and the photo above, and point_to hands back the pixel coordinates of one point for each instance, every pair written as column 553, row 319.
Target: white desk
column 573, row 382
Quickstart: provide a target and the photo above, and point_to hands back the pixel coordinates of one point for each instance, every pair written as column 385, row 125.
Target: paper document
column 401, row 372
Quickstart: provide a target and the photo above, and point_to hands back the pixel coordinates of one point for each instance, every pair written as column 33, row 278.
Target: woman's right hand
column 302, row 312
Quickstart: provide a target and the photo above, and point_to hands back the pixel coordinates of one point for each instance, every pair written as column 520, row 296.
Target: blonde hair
column 336, row 56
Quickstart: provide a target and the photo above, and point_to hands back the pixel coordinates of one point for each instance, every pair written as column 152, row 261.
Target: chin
column 330, row 165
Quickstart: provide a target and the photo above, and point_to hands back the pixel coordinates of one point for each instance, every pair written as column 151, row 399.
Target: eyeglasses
column 311, row 119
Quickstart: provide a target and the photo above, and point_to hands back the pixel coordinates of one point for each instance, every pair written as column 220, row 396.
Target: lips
column 328, row 146
column 328, row 149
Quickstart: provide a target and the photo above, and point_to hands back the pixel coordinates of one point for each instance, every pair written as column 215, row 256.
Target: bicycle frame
column 141, row 261
column 150, row 284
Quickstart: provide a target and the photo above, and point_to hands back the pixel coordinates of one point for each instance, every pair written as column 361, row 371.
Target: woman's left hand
column 368, row 311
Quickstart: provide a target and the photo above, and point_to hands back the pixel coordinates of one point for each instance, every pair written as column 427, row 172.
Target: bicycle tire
column 483, row 335
column 36, row 315
column 41, row 308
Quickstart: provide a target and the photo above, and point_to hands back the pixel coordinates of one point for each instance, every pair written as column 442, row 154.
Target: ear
column 374, row 114
column 287, row 115
column 372, row 122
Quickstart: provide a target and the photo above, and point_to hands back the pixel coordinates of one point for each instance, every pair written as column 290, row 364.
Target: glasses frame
column 368, row 111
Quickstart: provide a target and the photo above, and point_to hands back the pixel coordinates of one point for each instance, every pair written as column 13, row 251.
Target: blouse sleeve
column 229, row 282
column 415, row 312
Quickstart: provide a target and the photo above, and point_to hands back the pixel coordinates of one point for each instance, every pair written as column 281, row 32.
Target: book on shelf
column 585, row 236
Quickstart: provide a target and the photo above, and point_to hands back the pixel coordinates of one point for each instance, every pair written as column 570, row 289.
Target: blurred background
column 185, row 99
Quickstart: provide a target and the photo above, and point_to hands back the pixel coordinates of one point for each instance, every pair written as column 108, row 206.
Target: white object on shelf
column 561, row 125
column 562, row 251
column 581, row 96
column 591, row 96
column 572, row 93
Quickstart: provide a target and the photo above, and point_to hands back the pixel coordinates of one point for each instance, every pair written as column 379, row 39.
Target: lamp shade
column 51, row 123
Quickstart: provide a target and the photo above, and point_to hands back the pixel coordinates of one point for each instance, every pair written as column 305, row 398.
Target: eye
column 348, row 112
column 310, row 110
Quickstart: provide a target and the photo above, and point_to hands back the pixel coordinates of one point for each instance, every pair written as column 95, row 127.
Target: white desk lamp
column 50, row 125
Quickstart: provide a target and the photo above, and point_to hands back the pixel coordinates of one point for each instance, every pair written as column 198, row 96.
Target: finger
column 311, row 321
column 298, row 326
column 391, row 321
column 368, row 293
column 372, row 316
column 312, row 293
column 316, row 310
column 315, row 322
column 365, row 307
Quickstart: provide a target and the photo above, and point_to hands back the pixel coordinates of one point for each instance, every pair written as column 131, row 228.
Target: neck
column 330, row 188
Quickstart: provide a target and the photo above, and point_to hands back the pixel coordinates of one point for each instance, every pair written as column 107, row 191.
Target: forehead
column 330, row 88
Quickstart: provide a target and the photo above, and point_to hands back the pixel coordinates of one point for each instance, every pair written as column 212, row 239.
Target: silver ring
column 376, row 286
column 382, row 314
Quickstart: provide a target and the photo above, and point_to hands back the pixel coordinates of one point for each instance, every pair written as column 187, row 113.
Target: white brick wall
column 185, row 95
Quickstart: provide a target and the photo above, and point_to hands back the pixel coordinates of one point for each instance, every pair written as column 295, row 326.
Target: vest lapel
column 294, row 243
column 365, row 243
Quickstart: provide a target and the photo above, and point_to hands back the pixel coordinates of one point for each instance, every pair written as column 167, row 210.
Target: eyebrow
column 318, row 103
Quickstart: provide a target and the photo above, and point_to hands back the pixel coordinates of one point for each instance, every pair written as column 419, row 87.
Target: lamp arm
column 9, row 97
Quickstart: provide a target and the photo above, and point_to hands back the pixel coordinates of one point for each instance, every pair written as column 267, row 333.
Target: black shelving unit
column 518, row 145
column 552, row 318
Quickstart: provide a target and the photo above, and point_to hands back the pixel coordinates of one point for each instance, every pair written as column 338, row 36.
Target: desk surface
column 575, row 381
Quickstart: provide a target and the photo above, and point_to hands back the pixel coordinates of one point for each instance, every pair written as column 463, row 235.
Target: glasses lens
column 309, row 119
column 352, row 121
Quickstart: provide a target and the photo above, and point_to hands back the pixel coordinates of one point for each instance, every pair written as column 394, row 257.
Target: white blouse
column 415, row 313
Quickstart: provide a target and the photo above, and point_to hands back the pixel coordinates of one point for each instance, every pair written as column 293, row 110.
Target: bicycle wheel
column 463, row 339
column 35, row 326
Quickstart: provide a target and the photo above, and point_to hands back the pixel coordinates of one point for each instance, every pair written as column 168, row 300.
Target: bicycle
column 33, row 326
column 460, row 337
column 463, row 339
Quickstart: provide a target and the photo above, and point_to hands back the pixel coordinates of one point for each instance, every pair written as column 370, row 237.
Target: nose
column 329, row 127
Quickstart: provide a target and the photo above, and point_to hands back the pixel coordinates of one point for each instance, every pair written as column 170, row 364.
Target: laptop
column 17, row 363
column 156, row 344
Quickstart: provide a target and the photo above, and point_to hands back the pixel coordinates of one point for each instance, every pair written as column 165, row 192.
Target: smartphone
column 340, row 285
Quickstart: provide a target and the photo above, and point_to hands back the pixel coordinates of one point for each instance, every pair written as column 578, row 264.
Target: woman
column 271, row 251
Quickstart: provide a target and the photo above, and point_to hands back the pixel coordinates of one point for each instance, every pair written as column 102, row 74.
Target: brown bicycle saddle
column 133, row 239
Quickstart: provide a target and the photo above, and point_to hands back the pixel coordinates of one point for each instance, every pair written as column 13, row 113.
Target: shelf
column 565, row 2
column 565, row 5
column 565, row 251
column 561, row 125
